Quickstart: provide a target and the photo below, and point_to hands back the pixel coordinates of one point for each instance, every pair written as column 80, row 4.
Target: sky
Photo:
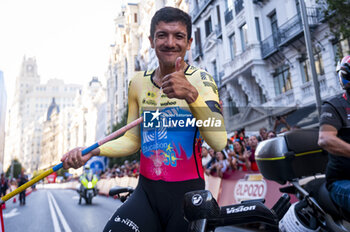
column 70, row 39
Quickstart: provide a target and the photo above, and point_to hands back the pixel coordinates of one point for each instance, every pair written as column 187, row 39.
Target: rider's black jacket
column 336, row 112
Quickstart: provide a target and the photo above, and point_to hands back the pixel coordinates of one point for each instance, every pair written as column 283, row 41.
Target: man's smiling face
column 169, row 42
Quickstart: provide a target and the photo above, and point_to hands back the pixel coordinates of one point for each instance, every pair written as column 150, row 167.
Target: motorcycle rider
column 334, row 136
column 85, row 176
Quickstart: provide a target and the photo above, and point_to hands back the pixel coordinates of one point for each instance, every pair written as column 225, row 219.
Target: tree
column 337, row 15
column 121, row 160
column 17, row 167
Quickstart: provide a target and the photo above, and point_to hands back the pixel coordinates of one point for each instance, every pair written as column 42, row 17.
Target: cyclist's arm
column 331, row 122
column 207, row 106
column 329, row 141
column 130, row 142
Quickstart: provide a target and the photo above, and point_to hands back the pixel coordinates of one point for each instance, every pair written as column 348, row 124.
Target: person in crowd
column 21, row 180
column 242, row 155
column 253, row 143
column 205, row 156
column 334, row 136
column 3, row 185
column 221, row 165
column 263, row 134
column 177, row 87
column 271, row 134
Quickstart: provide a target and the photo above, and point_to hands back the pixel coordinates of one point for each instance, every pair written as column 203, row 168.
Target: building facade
column 29, row 108
column 3, row 102
column 72, row 127
column 256, row 52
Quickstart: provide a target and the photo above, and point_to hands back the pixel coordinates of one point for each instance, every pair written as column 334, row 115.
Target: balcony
column 196, row 12
column 228, row 16
column 238, row 6
column 289, row 32
column 197, row 52
column 269, row 46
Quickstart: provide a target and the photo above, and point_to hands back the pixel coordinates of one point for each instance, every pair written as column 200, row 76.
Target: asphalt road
column 57, row 210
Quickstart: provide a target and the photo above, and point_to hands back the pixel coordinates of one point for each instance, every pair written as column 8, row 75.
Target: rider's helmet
column 343, row 70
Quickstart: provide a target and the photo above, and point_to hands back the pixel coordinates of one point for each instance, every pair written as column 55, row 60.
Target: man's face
column 253, row 141
column 170, row 41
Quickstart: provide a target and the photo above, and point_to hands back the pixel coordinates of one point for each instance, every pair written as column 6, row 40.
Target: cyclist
column 334, row 136
column 170, row 161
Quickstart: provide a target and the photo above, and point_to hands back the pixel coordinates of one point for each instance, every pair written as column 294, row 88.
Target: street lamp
column 310, row 55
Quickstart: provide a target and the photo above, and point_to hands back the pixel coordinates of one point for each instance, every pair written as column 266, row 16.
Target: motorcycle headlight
column 89, row 185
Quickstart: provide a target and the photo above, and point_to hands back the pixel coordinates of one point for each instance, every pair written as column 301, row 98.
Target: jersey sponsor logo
column 326, row 115
column 252, row 187
column 197, row 199
column 214, row 106
column 168, row 103
column 211, row 85
column 206, row 76
column 170, row 156
column 127, row 222
column 240, row 209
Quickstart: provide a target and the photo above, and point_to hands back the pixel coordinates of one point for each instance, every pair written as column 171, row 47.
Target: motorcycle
column 294, row 158
column 88, row 188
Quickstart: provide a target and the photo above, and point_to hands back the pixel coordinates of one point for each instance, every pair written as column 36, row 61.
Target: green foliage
column 120, row 160
column 17, row 167
column 337, row 16
column 61, row 172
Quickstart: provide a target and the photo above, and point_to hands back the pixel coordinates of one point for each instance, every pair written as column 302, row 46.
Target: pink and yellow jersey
column 171, row 134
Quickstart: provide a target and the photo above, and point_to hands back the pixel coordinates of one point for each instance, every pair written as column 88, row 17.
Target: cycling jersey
column 171, row 134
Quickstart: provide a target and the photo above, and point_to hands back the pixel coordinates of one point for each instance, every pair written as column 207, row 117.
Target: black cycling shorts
column 154, row 206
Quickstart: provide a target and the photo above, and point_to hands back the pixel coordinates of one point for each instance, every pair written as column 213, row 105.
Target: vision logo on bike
column 240, row 209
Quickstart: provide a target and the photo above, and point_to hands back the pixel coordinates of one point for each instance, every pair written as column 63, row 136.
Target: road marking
column 56, row 226
column 12, row 213
column 60, row 214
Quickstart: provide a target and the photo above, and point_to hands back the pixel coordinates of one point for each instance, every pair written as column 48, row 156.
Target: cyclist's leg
column 135, row 214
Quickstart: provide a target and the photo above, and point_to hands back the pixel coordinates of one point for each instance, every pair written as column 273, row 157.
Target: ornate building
column 256, row 52
column 29, row 109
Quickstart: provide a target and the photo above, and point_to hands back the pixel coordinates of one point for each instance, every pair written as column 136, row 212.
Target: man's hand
column 176, row 85
column 74, row 158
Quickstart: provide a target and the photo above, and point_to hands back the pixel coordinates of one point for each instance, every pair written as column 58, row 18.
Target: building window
column 232, row 41
column 282, row 80
column 135, row 17
column 306, row 68
column 274, row 27
column 261, row 95
column 126, row 66
column 239, row 5
column 232, row 107
column 257, row 26
column 215, row 71
column 244, row 36
column 208, row 27
column 124, row 38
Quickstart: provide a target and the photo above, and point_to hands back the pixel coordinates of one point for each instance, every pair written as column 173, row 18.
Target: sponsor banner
column 247, row 185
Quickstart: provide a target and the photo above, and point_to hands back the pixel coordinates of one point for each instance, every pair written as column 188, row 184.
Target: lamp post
column 310, row 55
